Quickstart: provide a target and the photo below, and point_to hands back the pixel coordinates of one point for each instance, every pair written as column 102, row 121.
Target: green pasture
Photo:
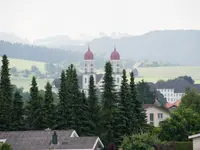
column 21, row 64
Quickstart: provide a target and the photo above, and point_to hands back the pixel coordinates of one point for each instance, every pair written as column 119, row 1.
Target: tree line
column 115, row 114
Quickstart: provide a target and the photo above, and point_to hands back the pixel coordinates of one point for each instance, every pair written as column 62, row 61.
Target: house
column 173, row 106
column 196, row 141
column 155, row 114
column 48, row 140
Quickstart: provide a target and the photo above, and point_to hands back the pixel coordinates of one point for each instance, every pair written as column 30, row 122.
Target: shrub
column 184, row 146
column 5, row 146
column 142, row 141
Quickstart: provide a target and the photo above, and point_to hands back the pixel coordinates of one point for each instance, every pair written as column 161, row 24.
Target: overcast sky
column 41, row 18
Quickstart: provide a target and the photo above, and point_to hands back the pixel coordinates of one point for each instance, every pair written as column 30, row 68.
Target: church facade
column 89, row 69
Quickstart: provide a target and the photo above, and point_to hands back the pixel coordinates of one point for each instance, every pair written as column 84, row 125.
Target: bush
column 184, row 146
column 143, row 141
column 5, row 146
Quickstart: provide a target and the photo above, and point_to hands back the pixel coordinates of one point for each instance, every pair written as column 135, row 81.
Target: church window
column 85, row 70
column 117, row 70
column 91, row 65
column 91, row 69
column 117, row 80
column 85, row 65
column 85, row 80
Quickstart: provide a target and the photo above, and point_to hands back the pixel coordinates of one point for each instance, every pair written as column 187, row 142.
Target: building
column 155, row 114
column 174, row 90
column 196, row 141
column 173, row 106
column 89, row 69
column 50, row 140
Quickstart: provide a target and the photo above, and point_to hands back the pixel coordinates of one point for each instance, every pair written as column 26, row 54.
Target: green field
column 21, row 64
column 149, row 74
column 26, row 83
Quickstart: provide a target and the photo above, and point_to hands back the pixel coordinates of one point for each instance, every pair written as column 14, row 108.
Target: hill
column 174, row 46
column 37, row 53
column 9, row 37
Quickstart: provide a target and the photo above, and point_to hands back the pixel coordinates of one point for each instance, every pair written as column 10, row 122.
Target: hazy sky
column 41, row 18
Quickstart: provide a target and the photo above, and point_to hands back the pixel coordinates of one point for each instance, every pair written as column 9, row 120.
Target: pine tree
column 93, row 108
column 139, row 111
column 85, row 127
column 62, row 108
column 75, row 104
column 49, row 107
column 17, row 113
column 124, row 113
column 109, row 105
column 34, row 108
column 6, row 95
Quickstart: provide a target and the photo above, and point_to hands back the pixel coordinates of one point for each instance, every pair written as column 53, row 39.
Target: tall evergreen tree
column 49, row 107
column 93, row 108
column 125, row 111
column 62, row 108
column 109, row 105
column 85, row 127
column 6, row 95
column 74, row 95
column 34, row 108
column 17, row 112
column 137, row 106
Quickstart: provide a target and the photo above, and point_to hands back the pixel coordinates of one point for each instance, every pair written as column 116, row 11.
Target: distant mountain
column 176, row 46
column 9, row 37
column 60, row 41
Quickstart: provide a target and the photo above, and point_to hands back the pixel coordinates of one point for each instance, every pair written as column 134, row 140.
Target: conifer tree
column 93, row 108
column 109, row 105
column 34, row 108
column 74, row 100
column 49, row 107
column 85, row 127
column 6, row 95
column 137, row 106
column 17, row 112
column 124, row 108
column 62, row 108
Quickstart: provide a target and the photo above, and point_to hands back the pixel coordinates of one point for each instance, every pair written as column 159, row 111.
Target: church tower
column 88, row 70
column 116, row 65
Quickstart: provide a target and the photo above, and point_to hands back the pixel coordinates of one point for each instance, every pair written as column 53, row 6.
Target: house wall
column 155, row 111
column 196, row 143
column 170, row 95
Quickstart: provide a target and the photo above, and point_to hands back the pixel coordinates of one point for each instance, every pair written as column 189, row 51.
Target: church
column 89, row 69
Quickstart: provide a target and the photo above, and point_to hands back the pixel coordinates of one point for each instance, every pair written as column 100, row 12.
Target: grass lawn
column 21, row 64
column 26, row 83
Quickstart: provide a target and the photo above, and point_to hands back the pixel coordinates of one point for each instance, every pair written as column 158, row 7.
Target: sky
column 33, row 19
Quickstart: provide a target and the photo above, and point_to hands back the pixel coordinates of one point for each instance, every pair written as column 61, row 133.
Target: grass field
column 26, row 83
column 149, row 74
column 21, row 64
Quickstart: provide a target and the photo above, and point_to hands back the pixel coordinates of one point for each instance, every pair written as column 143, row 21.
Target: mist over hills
column 175, row 46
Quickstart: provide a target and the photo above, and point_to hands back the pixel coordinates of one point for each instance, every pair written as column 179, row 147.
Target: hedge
column 184, row 146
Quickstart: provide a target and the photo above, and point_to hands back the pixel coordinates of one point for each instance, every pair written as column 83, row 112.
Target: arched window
column 85, row 80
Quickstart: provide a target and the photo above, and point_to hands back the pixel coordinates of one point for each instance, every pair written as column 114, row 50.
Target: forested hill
column 35, row 53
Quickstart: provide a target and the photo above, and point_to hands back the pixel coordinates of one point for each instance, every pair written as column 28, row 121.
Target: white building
column 89, row 69
column 170, row 95
column 155, row 114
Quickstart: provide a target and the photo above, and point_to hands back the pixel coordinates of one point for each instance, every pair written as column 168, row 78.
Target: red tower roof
column 88, row 55
column 115, row 55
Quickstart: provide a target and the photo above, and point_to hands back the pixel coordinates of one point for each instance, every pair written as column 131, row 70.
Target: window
column 85, row 70
column 160, row 116
column 117, row 70
column 85, row 65
column 85, row 80
column 91, row 69
column 117, row 80
column 151, row 116
column 91, row 65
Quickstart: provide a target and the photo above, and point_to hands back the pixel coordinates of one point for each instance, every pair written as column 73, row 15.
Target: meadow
column 149, row 74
